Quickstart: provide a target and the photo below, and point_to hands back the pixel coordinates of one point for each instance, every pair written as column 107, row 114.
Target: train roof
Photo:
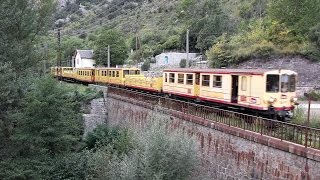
column 226, row 71
column 126, row 68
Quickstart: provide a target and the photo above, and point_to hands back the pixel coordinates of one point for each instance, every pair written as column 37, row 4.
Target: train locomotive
column 269, row 93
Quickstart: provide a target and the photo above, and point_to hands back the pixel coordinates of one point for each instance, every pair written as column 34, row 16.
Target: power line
column 106, row 15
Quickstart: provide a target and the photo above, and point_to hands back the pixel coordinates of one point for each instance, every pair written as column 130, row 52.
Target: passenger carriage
column 153, row 84
column 270, row 92
column 115, row 76
column 86, row 75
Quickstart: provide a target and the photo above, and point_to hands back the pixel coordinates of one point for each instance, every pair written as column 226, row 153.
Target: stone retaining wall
column 227, row 152
column 226, row 156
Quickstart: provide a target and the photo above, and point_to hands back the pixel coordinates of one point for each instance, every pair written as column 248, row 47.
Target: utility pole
column 108, row 56
column 187, row 49
column 45, row 59
column 136, row 42
column 59, row 48
column 59, row 55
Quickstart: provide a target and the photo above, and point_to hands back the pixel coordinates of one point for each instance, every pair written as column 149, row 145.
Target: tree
column 118, row 48
column 22, row 21
column 50, row 120
column 206, row 22
column 298, row 15
column 69, row 46
column 8, row 100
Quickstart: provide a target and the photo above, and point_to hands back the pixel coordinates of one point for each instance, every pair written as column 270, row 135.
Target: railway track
column 303, row 135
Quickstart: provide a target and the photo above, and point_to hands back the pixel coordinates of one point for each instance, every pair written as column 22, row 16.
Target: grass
column 300, row 117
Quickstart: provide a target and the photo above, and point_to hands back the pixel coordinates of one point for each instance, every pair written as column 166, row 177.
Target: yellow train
column 268, row 92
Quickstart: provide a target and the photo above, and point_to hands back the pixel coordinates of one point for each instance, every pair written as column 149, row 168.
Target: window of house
column 190, row 79
column 243, row 83
column 273, row 83
column 205, row 80
column 181, row 78
column 217, row 82
column 171, row 77
column 165, row 77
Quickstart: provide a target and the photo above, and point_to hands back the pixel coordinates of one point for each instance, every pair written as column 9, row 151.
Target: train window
column 205, row 80
column 288, row 83
column 243, row 83
column 292, row 83
column 217, row 81
column 273, row 83
column 181, row 78
column 165, row 77
column 125, row 72
column 190, row 79
column 171, row 77
column 117, row 74
column 113, row 74
column 137, row 72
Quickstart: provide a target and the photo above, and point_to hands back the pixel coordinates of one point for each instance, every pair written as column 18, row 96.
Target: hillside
column 226, row 31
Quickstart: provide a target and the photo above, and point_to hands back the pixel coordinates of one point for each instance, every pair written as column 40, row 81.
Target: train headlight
column 294, row 100
column 272, row 100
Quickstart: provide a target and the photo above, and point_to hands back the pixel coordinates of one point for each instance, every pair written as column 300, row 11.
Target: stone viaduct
column 227, row 152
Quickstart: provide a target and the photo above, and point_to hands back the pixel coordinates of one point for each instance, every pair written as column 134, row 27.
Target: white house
column 172, row 58
column 83, row 59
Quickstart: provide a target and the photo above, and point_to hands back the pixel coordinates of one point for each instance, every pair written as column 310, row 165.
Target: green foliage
column 298, row 15
column 220, row 55
column 119, row 139
column 183, row 63
column 206, row 20
column 50, row 120
column 69, row 46
column 314, row 35
column 145, row 66
column 72, row 166
column 22, row 21
column 118, row 48
column 9, row 97
column 157, row 155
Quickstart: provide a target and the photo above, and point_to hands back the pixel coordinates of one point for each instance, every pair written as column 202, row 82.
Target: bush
column 183, row 63
column 157, row 155
column 220, row 54
column 145, row 66
column 103, row 135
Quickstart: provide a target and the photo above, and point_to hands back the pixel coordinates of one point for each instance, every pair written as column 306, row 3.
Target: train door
column 93, row 76
column 234, row 89
column 197, row 85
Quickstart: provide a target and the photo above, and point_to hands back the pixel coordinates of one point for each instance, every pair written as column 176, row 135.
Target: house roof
column 85, row 53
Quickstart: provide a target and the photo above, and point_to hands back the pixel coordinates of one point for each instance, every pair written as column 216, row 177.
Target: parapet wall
column 224, row 153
